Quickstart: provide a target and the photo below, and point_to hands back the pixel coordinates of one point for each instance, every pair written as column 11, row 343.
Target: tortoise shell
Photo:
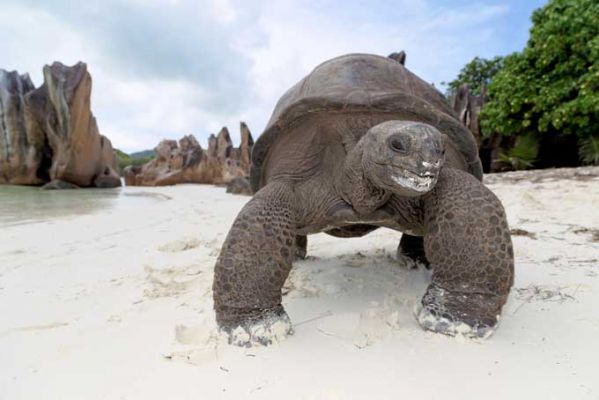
column 363, row 83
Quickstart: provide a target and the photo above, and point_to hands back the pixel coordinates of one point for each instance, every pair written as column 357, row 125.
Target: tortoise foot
column 300, row 254
column 473, row 316
column 409, row 262
column 410, row 252
column 258, row 328
column 301, row 247
column 429, row 321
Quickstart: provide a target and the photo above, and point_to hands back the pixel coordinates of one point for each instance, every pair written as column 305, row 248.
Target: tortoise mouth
column 418, row 182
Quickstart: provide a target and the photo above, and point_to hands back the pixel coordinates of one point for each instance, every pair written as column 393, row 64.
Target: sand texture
column 117, row 304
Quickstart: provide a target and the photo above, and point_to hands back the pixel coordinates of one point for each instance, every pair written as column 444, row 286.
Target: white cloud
column 300, row 36
column 164, row 68
column 31, row 38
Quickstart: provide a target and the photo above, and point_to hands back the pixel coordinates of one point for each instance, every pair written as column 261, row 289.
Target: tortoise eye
column 397, row 144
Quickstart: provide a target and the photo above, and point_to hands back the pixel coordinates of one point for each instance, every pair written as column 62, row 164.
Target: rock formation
column 240, row 186
column 49, row 133
column 187, row 162
column 247, row 142
column 468, row 105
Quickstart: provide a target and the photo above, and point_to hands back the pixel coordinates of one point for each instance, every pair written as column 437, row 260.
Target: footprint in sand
column 35, row 328
column 180, row 245
column 202, row 334
column 172, row 281
column 205, row 340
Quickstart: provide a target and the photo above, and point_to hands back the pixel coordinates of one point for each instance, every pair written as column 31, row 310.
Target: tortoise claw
column 262, row 330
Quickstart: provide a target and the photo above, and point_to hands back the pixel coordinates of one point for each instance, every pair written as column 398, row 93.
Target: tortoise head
column 403, row 157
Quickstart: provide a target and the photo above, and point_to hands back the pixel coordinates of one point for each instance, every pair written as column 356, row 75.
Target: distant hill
column 137, row 158
column 143, row 154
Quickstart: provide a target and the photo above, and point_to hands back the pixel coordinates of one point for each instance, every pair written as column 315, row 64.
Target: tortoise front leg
column 468, row 244
column 254, row 262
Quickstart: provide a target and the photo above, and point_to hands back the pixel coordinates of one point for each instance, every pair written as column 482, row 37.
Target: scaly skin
column 466, row 237
column 468, row 244
column 255, row 261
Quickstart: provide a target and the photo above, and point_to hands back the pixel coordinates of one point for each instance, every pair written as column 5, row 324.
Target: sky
column 166, row 68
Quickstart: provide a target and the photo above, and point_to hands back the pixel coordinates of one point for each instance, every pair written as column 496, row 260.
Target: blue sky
column 165, row 68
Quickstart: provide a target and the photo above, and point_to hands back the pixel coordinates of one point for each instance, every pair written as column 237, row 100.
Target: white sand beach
column 114, row 301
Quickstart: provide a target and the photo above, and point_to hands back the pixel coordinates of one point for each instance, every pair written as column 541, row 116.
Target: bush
column 522, row 155
column 589, row 151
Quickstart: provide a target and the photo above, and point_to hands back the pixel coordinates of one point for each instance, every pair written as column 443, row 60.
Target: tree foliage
column 553, row 84
column 477, row 73
column 124, row 159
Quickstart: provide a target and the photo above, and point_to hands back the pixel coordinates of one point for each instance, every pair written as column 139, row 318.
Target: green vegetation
column 139, row 158
column 544, row 100
column 552, row 86
column 123, row 159
column 522, row 155
column 589, row 150
column 148, row 154
column 477, row 74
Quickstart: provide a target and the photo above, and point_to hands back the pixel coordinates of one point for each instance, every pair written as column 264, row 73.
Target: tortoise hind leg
column 411, row 250
column 252, row 267
column 301, row 247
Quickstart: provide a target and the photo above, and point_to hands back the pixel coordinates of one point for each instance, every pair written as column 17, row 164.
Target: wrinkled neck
column 355, row 188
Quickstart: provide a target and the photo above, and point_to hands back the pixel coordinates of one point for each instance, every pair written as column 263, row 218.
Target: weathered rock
column 247, row 142
column 59, row 185
column 240, row 186
column 108, row 177
column 20, row 149
column 223, row 144
column 130, row 174
column 50, row 133
column 212, row 144
column 187, row 162
column 468, row 105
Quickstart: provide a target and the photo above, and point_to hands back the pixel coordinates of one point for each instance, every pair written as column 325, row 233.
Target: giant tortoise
column 362, row 143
